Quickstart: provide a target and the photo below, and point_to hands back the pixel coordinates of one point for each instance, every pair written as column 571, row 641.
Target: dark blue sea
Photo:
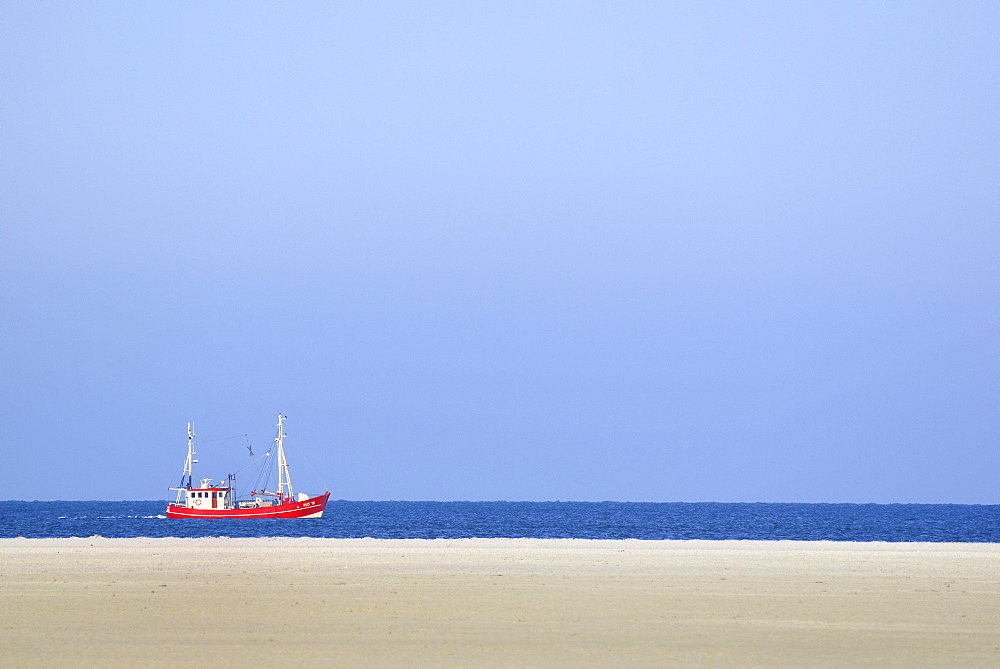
column 581, row 520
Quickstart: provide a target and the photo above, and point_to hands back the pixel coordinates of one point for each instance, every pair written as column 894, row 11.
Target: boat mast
column 284, row 480
column 186, row 474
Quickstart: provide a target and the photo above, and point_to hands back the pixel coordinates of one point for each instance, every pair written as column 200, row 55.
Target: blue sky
column 504, row 250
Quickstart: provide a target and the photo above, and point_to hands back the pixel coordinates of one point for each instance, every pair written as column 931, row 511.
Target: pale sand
column 495, row 602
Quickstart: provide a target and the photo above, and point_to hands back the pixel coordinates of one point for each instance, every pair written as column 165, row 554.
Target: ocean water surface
column 580, row 520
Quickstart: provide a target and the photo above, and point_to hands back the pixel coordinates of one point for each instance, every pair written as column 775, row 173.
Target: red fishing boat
column 220, row 500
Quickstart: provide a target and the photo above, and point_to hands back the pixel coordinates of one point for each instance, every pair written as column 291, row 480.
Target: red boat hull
column 308, row 508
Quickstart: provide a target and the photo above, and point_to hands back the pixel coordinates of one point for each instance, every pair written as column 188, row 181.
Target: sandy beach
column 496, row 602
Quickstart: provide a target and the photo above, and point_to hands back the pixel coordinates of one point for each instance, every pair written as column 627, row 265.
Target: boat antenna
column 284, row 480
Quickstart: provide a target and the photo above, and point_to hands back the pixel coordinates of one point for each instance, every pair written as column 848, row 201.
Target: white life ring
column 197, row 502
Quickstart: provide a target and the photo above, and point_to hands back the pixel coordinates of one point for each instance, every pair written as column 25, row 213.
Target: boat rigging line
column 235, row 436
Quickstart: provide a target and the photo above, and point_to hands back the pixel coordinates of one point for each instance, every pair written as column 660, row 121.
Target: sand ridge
column 488, row 602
